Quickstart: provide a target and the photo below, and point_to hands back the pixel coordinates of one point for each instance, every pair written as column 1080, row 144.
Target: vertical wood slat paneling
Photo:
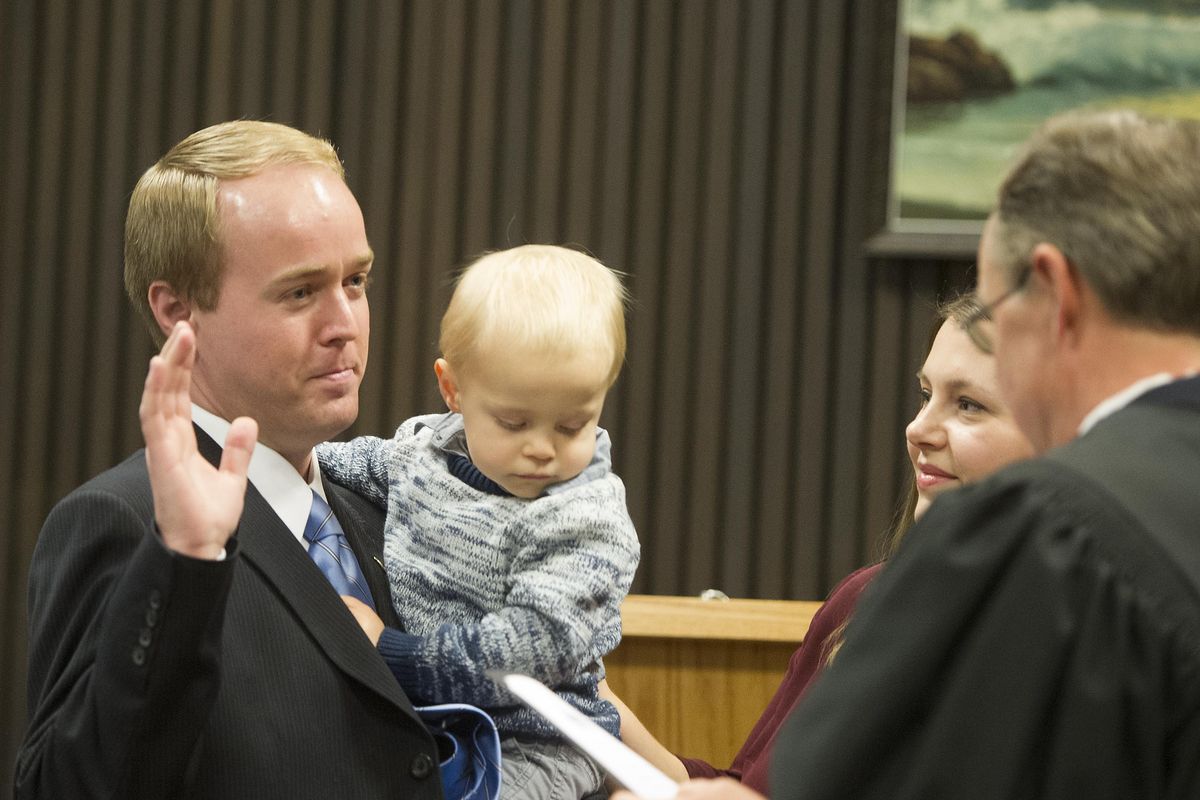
column 552, row 59
column 189, row 54
column 515, row 86
column 319, row 66
column 287, row 64
column 857, row 464
column 725, row 155
column 17, row 71
column 850, row 346
column 580, row 181
column 369, row 137
column 810, row 521
column 409, row 273
column 444, row 225
column 101, row 322
column 614, row 202
column 36, row 337
column 747, row 259
column 638, row 435
column 706, row 365
column 783, row 270
column 220, row 43
column 673, row 352
column 73, row 274
column 481, row 121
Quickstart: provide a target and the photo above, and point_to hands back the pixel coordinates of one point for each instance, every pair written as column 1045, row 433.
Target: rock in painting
column 953, row 69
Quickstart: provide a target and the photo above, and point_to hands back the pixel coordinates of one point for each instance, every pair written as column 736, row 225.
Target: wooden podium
column 698, row 673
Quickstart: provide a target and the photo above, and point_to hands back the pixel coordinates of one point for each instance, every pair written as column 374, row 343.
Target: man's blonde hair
column 544, row 298
column 172, row 226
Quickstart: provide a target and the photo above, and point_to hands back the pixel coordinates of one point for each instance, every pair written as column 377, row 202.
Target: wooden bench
column 700, row 672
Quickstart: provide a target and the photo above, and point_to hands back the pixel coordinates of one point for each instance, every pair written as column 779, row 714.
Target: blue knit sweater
column 482, row 581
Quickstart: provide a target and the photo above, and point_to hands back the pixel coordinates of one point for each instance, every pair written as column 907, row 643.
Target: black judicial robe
column 1038, row 635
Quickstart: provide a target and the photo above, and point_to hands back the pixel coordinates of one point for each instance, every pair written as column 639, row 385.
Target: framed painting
column 975, row 77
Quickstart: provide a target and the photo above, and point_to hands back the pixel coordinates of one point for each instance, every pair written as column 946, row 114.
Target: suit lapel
column 270, row 549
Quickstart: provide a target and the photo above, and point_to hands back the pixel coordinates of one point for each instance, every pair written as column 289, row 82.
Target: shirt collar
column 1116, row 402
column 284, row 489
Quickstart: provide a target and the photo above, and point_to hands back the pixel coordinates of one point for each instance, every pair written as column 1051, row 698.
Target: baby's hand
column 371, row 624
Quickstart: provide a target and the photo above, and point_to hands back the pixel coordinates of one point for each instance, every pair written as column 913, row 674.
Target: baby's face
column 530, row 420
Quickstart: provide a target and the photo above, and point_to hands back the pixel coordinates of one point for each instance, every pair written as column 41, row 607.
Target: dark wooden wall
column 731, row 157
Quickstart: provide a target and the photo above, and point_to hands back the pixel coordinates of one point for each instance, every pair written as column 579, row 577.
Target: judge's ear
column 447, row 384
column 168, row 307
column 1066, row 288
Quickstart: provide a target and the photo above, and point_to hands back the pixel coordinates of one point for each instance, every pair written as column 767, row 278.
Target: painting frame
column 1126, row 26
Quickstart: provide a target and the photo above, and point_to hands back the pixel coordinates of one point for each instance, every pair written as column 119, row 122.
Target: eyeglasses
column 971, row 325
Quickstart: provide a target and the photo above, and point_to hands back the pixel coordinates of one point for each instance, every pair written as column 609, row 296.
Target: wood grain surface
column 699, row 673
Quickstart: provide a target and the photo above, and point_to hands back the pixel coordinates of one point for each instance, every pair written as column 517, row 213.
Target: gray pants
column 537, row 769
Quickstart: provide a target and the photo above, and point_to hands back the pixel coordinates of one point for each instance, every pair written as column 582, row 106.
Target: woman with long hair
column 962, row 432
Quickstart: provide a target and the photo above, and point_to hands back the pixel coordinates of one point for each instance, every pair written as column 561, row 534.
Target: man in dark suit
column 182, row 641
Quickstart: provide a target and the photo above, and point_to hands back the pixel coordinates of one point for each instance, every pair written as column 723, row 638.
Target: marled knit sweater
column 483, row 581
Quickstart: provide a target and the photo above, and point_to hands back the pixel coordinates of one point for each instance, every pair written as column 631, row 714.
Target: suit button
column 422, row 766
column 156, row 599
column 139, row 656
column 152, row 618
column 144, row 638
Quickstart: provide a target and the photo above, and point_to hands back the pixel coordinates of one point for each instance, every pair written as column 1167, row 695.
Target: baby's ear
column 447, row 385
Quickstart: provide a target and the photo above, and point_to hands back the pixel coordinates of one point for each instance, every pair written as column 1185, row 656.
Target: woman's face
column 963, row 431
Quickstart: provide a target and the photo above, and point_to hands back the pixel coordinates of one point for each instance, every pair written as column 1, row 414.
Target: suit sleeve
column 124, row 654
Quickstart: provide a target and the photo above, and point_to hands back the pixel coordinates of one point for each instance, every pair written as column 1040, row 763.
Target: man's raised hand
column 196, row 506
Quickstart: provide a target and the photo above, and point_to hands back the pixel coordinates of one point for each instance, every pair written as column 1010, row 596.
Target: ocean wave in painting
column 1071, row 43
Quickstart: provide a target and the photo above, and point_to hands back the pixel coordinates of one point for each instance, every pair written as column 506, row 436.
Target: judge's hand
column 716, row 789
column 371, row 624
column 197, row 507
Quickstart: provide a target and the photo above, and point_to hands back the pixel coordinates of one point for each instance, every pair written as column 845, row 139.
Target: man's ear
column 168, row 306
column 1065, row 285
column 447, row 385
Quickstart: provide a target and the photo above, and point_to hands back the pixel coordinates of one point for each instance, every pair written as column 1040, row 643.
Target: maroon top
column 751, row 763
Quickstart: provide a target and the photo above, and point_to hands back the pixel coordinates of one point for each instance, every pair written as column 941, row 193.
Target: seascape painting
column 977, row 76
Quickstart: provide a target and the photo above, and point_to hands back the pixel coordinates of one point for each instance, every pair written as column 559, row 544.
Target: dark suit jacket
column 153, row 675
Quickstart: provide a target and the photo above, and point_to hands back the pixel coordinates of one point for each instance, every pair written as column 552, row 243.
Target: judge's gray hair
column 1119, row 194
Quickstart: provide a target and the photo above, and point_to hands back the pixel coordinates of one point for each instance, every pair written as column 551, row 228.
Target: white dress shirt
column 1114, row 403
column 284, row 489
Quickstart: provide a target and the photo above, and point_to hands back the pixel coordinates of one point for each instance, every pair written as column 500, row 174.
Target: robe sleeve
column 1011, row 649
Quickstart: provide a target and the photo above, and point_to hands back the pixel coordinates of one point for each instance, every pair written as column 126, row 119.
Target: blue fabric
column 328, row 548
column 461, row 467
column 470, row 748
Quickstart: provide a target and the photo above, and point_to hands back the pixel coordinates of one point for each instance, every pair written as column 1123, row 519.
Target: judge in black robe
column 1038, row 635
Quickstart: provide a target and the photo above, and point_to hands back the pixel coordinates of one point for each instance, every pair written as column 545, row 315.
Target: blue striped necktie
column 328, row 548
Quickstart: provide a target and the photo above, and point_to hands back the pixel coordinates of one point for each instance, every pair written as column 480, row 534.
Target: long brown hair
column 957, row 310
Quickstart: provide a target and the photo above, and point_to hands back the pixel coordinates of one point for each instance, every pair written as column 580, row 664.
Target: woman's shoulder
column 841, row 601
column 852, row 585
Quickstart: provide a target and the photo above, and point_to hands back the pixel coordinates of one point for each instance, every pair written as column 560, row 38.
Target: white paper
column 625, row 766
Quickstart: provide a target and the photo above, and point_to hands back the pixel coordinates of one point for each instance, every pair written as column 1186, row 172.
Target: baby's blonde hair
column 544, row 298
